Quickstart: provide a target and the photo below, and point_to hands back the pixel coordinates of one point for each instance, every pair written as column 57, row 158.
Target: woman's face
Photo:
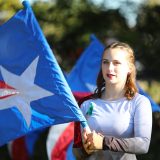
column 115, row 66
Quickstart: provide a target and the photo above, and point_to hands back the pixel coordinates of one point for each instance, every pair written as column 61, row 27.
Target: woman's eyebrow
column 112, row 60
column 105, row 59
column 116, row 60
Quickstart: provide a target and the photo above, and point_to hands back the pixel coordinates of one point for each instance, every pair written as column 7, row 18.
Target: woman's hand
column 86, row 147
column 92, row 141
column 85, row 133
column 95, row 141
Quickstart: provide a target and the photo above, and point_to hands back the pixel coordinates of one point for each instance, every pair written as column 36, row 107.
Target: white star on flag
column 25, row 89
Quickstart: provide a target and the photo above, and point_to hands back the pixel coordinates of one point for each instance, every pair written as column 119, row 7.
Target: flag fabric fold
column 82, row 77
column 33, row 91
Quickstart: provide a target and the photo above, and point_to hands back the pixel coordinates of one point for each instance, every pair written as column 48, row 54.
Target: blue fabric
column 82, row 77
column 69, row 153
column 30, row 105
column 155, row 107
column 31, row 139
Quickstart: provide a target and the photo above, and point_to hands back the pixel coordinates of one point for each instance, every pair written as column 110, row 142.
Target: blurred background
column 68, row 24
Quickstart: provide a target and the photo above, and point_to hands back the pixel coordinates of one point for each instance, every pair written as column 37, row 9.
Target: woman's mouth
column 110, row 76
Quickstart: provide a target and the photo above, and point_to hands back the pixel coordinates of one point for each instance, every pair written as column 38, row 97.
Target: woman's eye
column 117, row 63
column 105, row 62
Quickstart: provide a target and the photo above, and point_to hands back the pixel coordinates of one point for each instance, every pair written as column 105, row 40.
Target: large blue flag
column 33, row 91
column 82, row 78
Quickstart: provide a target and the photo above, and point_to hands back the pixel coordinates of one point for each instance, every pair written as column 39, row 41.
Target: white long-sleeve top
column 126, row 125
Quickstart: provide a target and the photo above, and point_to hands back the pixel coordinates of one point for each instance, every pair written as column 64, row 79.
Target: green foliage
column 69, row 24
column 8, row 8
column 148, row 40
column 152, row 87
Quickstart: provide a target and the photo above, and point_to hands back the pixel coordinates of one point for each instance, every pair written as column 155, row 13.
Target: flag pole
column 26, row 4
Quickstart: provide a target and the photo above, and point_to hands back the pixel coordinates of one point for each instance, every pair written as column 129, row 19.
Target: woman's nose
column 111, row 66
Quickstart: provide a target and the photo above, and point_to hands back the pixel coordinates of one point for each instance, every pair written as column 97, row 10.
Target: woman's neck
column 113, row 92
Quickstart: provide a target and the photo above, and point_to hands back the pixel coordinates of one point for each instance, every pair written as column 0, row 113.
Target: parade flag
column 82, row 81
column 82, row 78
column 33, row 91
column 59, row 142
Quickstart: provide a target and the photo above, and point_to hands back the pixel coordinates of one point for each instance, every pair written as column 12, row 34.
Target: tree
column 68, row 24
column 148, row 40
column 8, row 8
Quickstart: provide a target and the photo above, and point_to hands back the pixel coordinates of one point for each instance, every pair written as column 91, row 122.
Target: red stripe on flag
column 19, row 150
column 60, row 148
column 81, row 95
column 4, row 85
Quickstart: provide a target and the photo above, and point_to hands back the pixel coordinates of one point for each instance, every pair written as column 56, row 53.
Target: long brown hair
column 130, row 85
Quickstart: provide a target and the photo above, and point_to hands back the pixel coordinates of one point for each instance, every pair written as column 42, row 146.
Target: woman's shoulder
column 141, row 100
column 140, row 97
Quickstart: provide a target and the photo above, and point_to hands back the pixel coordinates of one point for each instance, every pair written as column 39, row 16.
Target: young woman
column 119, row 117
